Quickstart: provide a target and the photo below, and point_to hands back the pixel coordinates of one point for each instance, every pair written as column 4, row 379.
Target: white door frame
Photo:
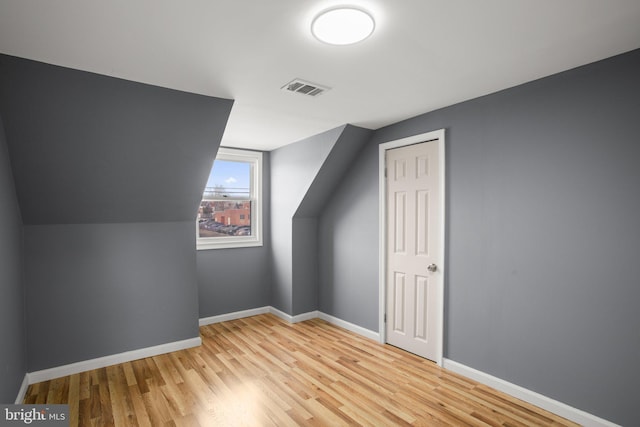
column 382, row 229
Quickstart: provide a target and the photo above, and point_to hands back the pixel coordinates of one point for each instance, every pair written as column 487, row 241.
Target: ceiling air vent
column 304, row 88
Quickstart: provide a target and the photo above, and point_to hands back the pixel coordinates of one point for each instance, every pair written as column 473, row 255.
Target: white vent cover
column 304, row 88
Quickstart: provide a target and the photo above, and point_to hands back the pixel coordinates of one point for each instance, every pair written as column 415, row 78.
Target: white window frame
column 255, row 159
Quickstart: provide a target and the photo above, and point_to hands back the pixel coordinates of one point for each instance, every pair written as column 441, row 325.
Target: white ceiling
column 424, row 54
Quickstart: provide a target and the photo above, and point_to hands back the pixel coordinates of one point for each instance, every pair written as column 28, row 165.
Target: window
column 230, row 213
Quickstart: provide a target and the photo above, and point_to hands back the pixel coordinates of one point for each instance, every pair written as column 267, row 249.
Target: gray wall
column 304, row 259
column 109, row 174
column 13, row 358
column 348, row 245
column 306, row 232
column 543, row 235
column 238, row 279
column 101, row 289
column 293, row 169
column 304, row 176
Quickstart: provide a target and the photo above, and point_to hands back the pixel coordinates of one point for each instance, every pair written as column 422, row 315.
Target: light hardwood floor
column 263, row 371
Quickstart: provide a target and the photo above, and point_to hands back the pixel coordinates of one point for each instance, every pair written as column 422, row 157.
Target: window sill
column 228, row 244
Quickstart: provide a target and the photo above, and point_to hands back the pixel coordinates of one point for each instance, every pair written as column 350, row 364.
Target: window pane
column 224, row 218
column 228, row 179
column 229, row 215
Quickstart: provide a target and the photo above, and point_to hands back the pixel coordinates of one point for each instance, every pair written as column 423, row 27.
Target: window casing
column 230, row 213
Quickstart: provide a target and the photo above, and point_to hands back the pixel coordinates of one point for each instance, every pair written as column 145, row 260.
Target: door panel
column 413, row 291
column 421, row 301
column 422, row 223
column 400, row 204
column 399, row 303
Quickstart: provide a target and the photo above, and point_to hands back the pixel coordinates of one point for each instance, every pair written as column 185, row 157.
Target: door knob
column 432, row 268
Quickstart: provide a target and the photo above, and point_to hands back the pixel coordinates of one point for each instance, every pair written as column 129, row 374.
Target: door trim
column 382, row 229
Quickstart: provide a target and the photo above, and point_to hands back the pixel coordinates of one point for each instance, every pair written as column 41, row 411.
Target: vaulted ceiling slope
column 333, row 169
column 87, row 148
column 423, row 55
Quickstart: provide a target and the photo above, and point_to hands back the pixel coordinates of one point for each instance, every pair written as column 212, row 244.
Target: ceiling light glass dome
column 342, row 26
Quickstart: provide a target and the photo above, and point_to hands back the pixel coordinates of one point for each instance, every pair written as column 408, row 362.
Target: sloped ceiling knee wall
column 304, row 177
column 108, row 174
column 87, row 148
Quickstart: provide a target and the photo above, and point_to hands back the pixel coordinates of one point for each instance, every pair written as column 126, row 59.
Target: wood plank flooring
column 263, row 371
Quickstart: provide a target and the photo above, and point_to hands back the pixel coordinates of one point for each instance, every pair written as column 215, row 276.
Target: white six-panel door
column 414, row 280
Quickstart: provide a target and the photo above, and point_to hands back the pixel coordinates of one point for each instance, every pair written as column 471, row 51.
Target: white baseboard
column 101, row 362
column 577, row 415
column 281, row 314
column 254, row 312
column 233, row 316
column 293, row 319
column 23, row 390
column 350, row 326
column 304, row 316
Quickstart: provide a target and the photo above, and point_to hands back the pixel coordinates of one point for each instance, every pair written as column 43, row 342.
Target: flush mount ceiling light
column 341, row 26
